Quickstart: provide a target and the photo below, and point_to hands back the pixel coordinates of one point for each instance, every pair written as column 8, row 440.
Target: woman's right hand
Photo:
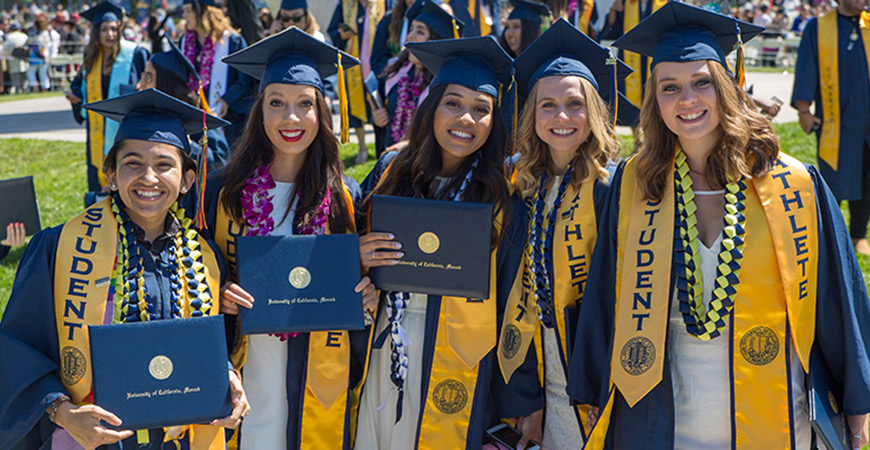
column 232, row 295
column 73, row 99
column 369, row 255
column 380, row 117
column 807, row 121
column 592, row 418
column 83, row 424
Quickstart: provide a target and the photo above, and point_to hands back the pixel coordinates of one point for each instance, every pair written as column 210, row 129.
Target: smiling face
column 462, row 122
column 290, row 117
column 687, row 100
column 149, row 176
column 513, row 34
column 109, row 34
column 561, row 116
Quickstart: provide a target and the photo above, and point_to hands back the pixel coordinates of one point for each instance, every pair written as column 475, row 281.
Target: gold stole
column 829, row 82
column 94, row 91
column 583, row 21
column 356, row 93
column 324, row 402
column 777, row 293
column 633, row 82
column 82, row 274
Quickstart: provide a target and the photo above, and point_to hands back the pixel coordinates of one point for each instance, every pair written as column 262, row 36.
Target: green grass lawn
column 59, row 176
column 30, row 96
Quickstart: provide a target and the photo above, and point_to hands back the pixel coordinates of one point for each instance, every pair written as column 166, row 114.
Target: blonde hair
column 746, row 146
column 214, row 23
column 591, row 157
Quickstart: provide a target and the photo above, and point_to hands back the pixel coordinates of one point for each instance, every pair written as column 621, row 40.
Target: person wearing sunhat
column 724, row 275
column 110, row 61
column 831, row 72
column 458, row 133
column 209, row 38
column 404, row 83
column 566, row 143
column 167, row 72
column 523, row 26
column 285, row 178
column 141, row 238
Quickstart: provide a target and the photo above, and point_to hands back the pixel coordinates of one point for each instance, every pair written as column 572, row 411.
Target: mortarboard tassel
column 202, row 171
column 739, row 71
column 614, row 94
column 516, row 105
column 203, row 103
column 455, row 29
column 342, row 103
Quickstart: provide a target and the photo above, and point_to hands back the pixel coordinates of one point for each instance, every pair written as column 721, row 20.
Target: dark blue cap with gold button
column 477, row 63
column 290, row 57
column 678, row 32
column 439, row 20
column 294, row 4
column 529, row 10
column 104, row 12
column 151, row 115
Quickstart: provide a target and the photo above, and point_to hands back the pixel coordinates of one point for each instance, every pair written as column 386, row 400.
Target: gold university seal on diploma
column 299, row 277
column 428, row 242
column 160, row 367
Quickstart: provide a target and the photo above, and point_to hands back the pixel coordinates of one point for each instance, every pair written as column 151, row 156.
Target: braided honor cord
column 396, row 304
column 690, row 286
column 539, row 249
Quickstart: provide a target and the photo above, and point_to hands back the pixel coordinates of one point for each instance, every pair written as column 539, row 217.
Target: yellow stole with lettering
column 94, row 93
column 325, row 400
column 574, row 240
column 583, row 20
column 776, row 295
column 374, row 11
column 829, row 82
column 82, row 274
column 633, row 82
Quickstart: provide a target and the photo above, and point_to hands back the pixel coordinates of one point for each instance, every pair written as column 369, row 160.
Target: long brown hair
column 590, row 158
column 92, row 51
column 413, row 170
column 322, row 168
column 396, row 19
column 401, row 61
column 746, row 146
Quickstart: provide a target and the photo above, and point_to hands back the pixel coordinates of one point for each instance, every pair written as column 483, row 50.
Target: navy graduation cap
column 417, row 8
column 174, row 61
column 439, row 20
column 529, row 10
column 294, row 4
column 151, row 115
column 477, row 63
column 104, row 12
column 678, row 32
column 198, row 3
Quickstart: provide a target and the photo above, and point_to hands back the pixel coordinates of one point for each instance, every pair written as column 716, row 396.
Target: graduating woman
column 439, row 394
column 209, row 38
column 295, row 13
column 406, row 81
column 523, row 26
column 110, row 61
column 391, row 34
column 723, row 271
column 164, row 72
column 566, row 141
column 153, row 262
column 285, row 178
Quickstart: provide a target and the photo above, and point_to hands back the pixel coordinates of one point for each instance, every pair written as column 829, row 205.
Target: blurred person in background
column 16, row 62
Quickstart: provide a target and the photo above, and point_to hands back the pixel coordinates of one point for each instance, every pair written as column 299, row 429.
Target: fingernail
column 398, row 245
column 401, row 254
column 392, row 236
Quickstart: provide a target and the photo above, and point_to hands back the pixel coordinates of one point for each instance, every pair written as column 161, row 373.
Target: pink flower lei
column 257, row 207
column 407, row 94
column 206, row 59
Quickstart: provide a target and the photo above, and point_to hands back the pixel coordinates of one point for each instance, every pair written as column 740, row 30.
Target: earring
column 183, row 190
column 113, row 187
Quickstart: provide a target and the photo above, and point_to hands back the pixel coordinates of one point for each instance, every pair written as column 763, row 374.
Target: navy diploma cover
column 826, row 405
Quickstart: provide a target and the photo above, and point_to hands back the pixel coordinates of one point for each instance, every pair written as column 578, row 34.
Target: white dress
column 700, row 375
column 265, row 372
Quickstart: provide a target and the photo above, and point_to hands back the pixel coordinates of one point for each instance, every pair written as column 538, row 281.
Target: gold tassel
column 740, row 71
column 342, row 103
column 614, row 90
column 455, row 29
column 202, row 170
column 202, row 100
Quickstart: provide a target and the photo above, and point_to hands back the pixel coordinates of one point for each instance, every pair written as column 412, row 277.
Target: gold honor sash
column 829, row 82
column 634, row 82
column 583, row 21
column 82, row 274
column 777, row 292
column 328, row 368
column 355, row 91
column 94, row 93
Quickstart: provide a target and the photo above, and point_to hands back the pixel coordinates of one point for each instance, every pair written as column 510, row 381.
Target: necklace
column 706, row 325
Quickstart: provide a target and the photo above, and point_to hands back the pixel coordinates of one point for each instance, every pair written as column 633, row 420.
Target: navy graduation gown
column 382, row 52
column 492, row 398
column 840, row 313
column 854, row 79
column 29, row 361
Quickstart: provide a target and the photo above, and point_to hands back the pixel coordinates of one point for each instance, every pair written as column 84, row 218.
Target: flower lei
column 407, row 92
column 690, row 287
column 206, row 59
column 257, row 207
column 128, row 292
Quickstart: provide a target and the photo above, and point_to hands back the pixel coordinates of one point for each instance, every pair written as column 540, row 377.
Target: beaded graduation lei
column 706, row 325
column 407, row 92
column 130, row 297
column 539, row 246
column 257, row 207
